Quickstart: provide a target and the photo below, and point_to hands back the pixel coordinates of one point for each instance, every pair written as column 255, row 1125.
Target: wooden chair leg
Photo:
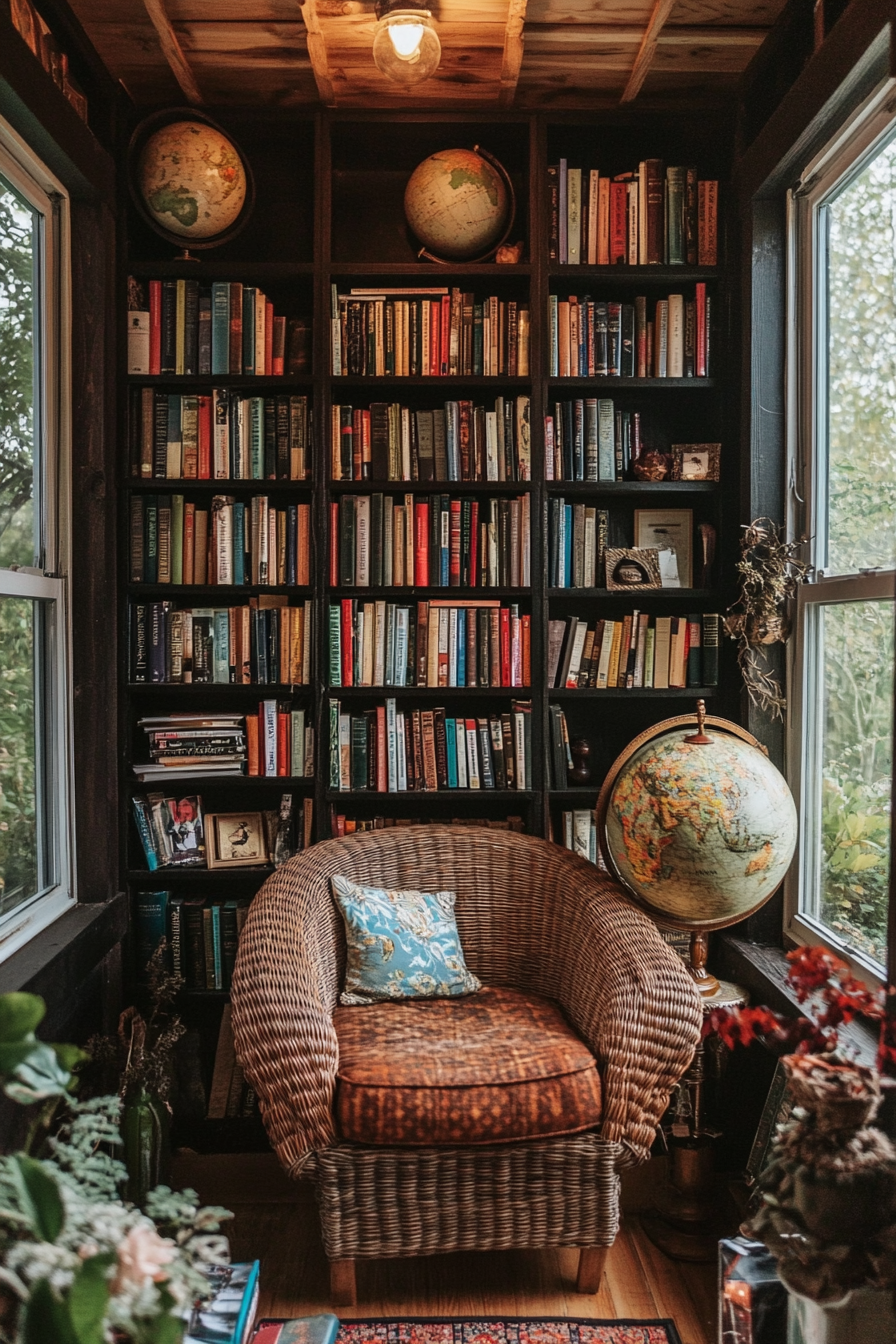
column 342, row 1283
column 592, row 1260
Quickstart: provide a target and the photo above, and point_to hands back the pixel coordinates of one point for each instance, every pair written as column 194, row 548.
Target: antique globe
column 699, row 825
column 459, row 203
column 190, row 181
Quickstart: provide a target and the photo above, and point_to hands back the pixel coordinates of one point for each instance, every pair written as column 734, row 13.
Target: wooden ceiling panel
column 128, row 44
column 593, row 13
column 265, row 62
column 737, row 13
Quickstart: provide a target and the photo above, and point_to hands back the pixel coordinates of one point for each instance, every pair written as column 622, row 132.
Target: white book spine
column 138, row 342
column 491, row 446
column 606, row 446
column 442, row 650
column 345, row 748
column 391, row 746
column 675, row 356
column 399, row 671
column 452, row 646
column 270, row 737
column 220, row 434
column 606, row 649
column 519, row 748
column 401, row 752
column 472, row 758
column 460, row 737
column 379, row 669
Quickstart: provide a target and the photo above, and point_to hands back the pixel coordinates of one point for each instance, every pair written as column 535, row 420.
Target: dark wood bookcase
column 329, row 211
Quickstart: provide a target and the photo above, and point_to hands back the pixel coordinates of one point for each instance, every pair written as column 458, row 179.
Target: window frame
column 47, row 582
column 843, row 158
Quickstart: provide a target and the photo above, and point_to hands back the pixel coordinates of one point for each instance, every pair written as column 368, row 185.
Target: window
column 36, row 882
column 842, row 399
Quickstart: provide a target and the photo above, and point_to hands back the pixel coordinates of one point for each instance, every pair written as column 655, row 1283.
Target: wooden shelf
column 199, row 876
column 637, row 693
column 635, row 275
column 631, row 488
column 430, row 487
column 459, row 380
column 396, row 594
column 422, row 797
column 636, row 384
column 241, row 781
column 429, row 692
column 428, row 273
column 267, row 690
column 252, row 382
column 180, row 485
column 158, row 591
column 211, row 268
column 635, row 595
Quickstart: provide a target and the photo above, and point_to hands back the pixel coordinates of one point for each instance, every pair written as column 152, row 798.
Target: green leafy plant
column 78, row 1264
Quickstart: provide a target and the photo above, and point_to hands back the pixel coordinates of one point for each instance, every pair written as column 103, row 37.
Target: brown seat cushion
column 495, row 1067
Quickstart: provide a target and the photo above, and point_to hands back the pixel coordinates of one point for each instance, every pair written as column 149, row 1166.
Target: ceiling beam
column 173, row 53
column 513, row 51
column 545, row 36
column 661, row 11
column 317, row 53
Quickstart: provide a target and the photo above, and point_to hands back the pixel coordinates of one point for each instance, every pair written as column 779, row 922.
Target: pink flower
column 141, row 1257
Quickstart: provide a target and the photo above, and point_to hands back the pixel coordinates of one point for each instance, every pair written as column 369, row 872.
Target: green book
column 229, row 940
column 248, row 329
column 297, row 740
column 152, row 926
column 358, row 752
column 221, row 647
column 177, row 538
column 221, row 326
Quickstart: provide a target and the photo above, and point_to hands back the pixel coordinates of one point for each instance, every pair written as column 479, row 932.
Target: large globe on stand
column 697, row 823
column 459, row 204
column 190, row 181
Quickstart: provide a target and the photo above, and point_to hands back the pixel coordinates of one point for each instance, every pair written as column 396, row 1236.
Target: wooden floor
column 277, row 1224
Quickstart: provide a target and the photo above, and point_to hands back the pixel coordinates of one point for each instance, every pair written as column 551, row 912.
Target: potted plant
column 828, row 1197
column 78, row 1264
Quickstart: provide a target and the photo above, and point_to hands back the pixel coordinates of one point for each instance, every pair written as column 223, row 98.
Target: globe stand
column 706, row 983
column 186, row 255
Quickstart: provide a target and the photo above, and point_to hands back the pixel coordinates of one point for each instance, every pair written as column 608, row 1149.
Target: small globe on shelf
column 459, row 203
column 189, row 180
column 699, row 826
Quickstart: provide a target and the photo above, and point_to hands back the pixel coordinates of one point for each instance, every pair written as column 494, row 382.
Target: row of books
column 172, row 832
column 432, row 644
column 634, row 651
column 275, row 741
column 599, row 338
column 218, row 436
column 457, row 442
column 176, row 833
column 577, row 544
column 181, row 327
column 578, row 832
column 384, row 750
column 232, row 542
column 652, row 216
column 589, row 439
column 265, row 641
column 202, row 934
column 341, row 825
column 230, row 1095
column 429, row 332
column 435, row 542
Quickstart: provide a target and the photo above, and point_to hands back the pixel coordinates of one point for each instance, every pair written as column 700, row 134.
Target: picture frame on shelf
column 236, row 840
column 696, row 461
column 668, row 530
column 630, row 569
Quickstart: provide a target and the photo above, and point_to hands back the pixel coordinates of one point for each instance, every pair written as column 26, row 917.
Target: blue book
column 220, row 326
column 451, row 743
column 256, row 438
column 462, row 646
column 217, row 950
column 152, row 926
column 567, row 547
column 144, row 830
column 239, row 543
column 444, row 540
column 228, row 1315
column 248, row 329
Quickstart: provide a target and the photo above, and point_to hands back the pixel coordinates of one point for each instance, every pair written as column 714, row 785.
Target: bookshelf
column 333, row 217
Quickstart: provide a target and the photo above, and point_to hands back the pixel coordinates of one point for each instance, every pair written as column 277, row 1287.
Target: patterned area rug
column 508, row 1330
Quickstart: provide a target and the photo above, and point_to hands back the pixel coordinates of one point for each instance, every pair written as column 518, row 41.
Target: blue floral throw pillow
column 401, row 944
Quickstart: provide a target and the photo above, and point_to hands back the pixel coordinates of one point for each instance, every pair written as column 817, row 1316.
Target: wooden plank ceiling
column 523, row 53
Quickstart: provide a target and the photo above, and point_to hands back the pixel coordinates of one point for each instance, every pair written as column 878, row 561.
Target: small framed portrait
column 631, row 569
column 236, row 839
column 695, row 461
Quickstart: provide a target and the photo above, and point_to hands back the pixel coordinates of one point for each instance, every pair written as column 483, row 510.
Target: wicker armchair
column 531, row 916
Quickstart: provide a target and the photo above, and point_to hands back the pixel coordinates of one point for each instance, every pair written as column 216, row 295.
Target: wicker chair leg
column 592, row 1260
column 342, row 1283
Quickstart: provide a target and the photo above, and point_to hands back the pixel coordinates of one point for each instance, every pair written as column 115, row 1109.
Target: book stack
column 579, row 833
column 429, row 542
column 340, row 824
column 633, row 652
column 218, row 436
column 429, row 332
column 599, row 338
column 577, row 544
column 589, row 439
column 171, row 831
column 384, row 750
column 190, row 745
column 202, row 935
column 433, row 644
column 457, row 442
column 266, row 641
column 652, row 216
column 173, row 541
column 279, row 741
column 227, row 1316
column 180, row 327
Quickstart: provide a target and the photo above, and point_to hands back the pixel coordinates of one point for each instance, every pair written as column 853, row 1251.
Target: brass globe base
column 689, row 1214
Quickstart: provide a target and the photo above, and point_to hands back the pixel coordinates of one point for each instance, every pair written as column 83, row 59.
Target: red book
column 474, row 543
column 283, row 727
column 205, row 438
column 454, row 545
column 366, row 447
column 268, row 339
column 262, row 740
column 155, row 326
column 435, row 325
column 382, row 779
column 618, row 222
column 252, row 744
column 526, row 634
column 700, row 334
column 505, row 646
column 421, row 545
column 334, row 545
column 348, row 660
column 445, row 335
column 357, row 445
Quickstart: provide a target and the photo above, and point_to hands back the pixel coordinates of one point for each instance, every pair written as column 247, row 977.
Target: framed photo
column 236, row 839
column 668, row 530
column 777, row 1109
column 695, row 461
column 631, row 569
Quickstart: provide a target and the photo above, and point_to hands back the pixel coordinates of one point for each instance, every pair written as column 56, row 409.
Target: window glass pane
column 18, row 366
column 855, row 651
column 21, row 839
column 862, row 370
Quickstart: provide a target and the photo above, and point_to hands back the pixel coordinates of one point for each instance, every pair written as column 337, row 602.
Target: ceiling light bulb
column 406, row 39
column 406, row 47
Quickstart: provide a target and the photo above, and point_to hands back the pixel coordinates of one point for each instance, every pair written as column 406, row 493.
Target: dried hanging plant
column 770, row 572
